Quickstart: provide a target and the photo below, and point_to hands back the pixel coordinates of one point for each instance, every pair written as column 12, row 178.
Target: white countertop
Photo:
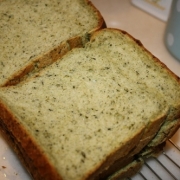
column 117, row 14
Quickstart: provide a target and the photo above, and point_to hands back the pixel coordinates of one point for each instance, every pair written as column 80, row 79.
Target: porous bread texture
column 143, row 68
column 111, row 88
column 35, row 33
column 82, row 111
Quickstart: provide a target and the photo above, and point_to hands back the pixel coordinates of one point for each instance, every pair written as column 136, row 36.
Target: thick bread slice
column 142, row 67
column 35, row 33
column 80, row 133
column 148, row 69
column 167, row 131
column 80, row 114
column 24, row 158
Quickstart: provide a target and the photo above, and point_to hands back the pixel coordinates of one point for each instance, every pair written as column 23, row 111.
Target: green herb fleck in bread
column 35, row 33
column 93, row 106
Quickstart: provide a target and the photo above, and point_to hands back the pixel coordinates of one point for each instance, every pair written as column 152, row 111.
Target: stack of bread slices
column 79, row 101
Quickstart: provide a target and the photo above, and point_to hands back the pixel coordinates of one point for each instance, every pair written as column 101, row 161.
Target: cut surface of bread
column 35, row 33
column 93, row 106
column 73, row 114
column 73, row 109
column 143, row 68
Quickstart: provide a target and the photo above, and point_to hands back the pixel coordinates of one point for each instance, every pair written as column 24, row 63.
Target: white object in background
column 157, row 8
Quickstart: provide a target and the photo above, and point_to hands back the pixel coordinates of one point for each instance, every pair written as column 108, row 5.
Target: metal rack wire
column 165, row 167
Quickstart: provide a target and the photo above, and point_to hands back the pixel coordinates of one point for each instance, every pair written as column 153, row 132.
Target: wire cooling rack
column 164, row 167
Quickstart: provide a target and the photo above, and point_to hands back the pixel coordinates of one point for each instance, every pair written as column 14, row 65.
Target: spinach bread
column 35, row 33
column 106, row 101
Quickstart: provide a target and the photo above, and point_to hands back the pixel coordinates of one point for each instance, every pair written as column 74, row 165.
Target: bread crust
column 174, row 112
column 30, row 153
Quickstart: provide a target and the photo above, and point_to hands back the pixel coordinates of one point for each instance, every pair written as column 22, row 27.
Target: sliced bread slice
column 142, row 67
column 35, row 33
column 80, row 114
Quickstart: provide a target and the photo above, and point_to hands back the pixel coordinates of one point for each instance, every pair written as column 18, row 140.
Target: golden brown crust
column 33, row 156
column 12, row 142
column 101, row 22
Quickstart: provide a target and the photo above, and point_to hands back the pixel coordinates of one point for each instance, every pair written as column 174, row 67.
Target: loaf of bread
column 36, row 33
column 95, row 113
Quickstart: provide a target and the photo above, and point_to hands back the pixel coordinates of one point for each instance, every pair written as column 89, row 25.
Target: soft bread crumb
column 94, row 102
column 32, row 28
